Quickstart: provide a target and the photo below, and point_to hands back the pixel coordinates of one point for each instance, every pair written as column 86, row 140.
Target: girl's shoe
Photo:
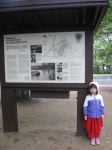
column 97, row 141
column 93, row 141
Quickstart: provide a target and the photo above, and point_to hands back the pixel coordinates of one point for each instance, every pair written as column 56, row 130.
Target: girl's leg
column 100, row 124
column 97, row 141
column 93, row 141
column 97, row 138
column 92, row 138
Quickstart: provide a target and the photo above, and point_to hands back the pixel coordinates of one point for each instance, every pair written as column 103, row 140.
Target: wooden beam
column 19, row 20
column 50, row 94
column 84, row 15
column 9, row 110
column 37, row 18
column 76, row 17
column 100, row 18
column 89, row 56
column 57, row 18
column 48, row 4
column 96, row 15
column 80, row 100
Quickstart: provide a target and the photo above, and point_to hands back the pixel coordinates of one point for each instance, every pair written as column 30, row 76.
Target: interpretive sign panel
column 55, row 57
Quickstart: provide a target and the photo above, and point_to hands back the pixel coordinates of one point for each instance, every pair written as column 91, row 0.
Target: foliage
column 102, row 47
column 23, row 95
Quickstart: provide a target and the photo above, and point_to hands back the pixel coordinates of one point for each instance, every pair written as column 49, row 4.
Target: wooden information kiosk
column 47, row 46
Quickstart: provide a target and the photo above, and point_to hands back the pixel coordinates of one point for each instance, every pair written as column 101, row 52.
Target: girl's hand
column 102, row 116
column 85, row 117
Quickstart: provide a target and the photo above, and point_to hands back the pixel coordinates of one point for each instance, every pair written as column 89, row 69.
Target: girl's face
column 93, row 90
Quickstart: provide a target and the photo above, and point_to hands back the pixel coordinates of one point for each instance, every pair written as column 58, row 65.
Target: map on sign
column 60, row 47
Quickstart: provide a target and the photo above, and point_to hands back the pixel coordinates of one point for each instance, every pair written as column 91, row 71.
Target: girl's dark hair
column 91, row 86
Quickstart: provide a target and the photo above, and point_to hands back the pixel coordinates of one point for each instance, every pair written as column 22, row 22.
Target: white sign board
column 56, row 57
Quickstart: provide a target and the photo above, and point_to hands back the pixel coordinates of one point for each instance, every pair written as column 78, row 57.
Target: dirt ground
column 50, row 124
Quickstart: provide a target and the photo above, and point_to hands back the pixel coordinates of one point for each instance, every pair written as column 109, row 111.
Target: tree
column 102, row 47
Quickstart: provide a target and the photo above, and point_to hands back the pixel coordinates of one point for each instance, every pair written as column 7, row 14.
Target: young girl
column 93, row 110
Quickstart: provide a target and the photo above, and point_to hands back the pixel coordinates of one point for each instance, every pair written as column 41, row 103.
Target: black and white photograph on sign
column 59, row 67
column 59, row 76
column 36, row 52
column 36, row 49
column 59, row 71
column 33, row 58
column 43, row 71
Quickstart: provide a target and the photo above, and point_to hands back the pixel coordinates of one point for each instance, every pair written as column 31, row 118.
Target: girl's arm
column 85, row 105
column 102, row 105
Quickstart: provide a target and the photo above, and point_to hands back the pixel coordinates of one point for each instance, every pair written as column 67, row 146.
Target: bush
column 23, row 95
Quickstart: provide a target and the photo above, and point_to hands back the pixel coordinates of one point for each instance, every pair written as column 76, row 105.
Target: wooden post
column 9, row 110
column 80, row 100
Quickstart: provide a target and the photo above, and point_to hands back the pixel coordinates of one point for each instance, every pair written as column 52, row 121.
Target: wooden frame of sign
column 8, row 89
